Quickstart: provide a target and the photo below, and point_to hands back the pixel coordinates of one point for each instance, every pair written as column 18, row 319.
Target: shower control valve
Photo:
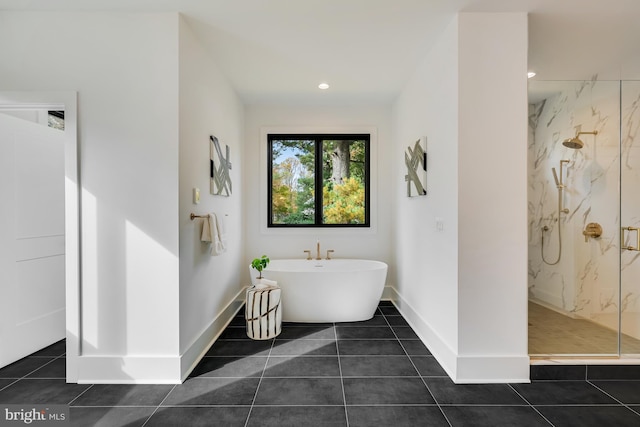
column 593, row 229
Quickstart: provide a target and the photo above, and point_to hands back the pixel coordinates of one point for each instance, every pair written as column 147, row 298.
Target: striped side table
column 263, row 312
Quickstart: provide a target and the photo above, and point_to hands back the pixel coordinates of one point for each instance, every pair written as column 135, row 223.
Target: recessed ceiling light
column 323, row 86
column 530, row 74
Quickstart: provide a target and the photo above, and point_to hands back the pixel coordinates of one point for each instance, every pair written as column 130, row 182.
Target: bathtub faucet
column 318, row 257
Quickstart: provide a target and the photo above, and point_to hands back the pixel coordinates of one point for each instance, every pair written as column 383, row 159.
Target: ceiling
column 280, row 50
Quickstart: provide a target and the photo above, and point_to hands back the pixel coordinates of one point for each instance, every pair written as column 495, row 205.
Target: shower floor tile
column 553, row 333
column 373, row 373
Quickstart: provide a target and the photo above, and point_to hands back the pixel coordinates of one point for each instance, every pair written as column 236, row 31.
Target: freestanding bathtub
column 336, row 290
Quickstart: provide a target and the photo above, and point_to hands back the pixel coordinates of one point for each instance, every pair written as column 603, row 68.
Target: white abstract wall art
column 415, row 158
column 220, row 165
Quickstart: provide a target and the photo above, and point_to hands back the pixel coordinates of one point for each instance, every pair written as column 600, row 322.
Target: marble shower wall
column 630, row 211
column 585, row 282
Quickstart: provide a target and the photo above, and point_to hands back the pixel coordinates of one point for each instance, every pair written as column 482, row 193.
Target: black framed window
column 318, row 180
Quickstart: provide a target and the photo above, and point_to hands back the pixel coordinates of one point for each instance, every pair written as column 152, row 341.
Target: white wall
column 374, row 243
column 464, row 289
column 125, row 70
column 208, row 284
column 492, row 202
column 427, row 259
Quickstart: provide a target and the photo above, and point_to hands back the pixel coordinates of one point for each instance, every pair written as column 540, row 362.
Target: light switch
column 439, row 224
column 196, row 196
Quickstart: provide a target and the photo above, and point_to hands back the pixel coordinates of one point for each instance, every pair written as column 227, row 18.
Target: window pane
column 292, row 185
column 343, row 181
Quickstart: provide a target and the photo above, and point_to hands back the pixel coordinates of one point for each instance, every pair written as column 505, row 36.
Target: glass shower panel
column 630, row 219
column 574, row 272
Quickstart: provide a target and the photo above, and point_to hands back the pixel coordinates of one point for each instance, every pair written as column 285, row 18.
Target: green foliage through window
column 318, row 180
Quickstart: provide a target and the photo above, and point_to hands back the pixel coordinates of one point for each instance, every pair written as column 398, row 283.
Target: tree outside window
column 318, row 180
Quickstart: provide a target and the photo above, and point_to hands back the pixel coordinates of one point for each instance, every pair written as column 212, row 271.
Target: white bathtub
column 336, row 290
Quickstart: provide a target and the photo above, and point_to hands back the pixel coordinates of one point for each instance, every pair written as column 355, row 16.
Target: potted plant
column 260, row 264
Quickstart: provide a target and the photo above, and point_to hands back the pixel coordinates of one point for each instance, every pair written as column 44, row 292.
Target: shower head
column 573, row 143
column 576, row 143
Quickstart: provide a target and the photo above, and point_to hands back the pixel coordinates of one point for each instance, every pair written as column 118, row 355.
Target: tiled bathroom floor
column 374, row 373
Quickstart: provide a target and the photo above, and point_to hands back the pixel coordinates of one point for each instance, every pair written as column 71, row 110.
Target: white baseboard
column 199, row 347
column 492, row 369
column 128, row 370
column 463, row 369
column 156, row 370
column 438, row 347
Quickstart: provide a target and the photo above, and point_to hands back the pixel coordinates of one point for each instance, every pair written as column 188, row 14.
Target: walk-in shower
column 584, row 257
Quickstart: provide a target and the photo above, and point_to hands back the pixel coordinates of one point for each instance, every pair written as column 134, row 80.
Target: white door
column 32, row 258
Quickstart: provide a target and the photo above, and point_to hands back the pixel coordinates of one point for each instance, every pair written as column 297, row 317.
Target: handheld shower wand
column 560, row 186
column 555, row 177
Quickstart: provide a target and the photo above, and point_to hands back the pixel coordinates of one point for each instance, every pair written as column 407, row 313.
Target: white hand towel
column 211, row 234
column 222, row 236
column 218, row 246
column 206, row 229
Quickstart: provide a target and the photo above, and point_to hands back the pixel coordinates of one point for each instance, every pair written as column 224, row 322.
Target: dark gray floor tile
column 123, row 395
column 308, row 332
column 318, row 325
column 227, row 366
column 300, row 391
column 213, row 391
column 240, row 348
column 582, row 416
column 234, row 333
column 386, row 303
column 280, row 416
column 446, row 392
column 226, row 416
column 51, row 391
column 555, row 372
column 562, row 393
column 109, row 417
column 389, row 310
column 415, row 347
column 613, row 372
column 302, row 366
column 374, row 321
column 4, row 382
column 397, row 416
column 238, row 321
column 304, row 348
column 397, row 321
column 370, row 347
column 55, row 369
column 377, row 366
column 24, row 367
column 494, row 416
column 625, row 391
column 386, row 391
column 364, row 332
column 405, row 333
column 54, row 350
column 428, row 366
